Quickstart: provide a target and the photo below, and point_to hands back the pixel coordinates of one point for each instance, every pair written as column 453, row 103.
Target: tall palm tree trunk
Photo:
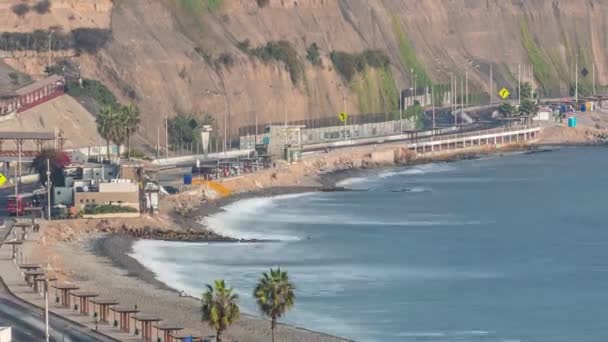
column 129, row 145
column 108, row 148
column 273, row 325
column 218, row 336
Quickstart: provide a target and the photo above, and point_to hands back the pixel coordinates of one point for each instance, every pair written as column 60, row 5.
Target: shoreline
column 106, row 252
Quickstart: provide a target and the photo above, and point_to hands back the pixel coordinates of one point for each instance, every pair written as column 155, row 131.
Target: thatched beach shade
column 104, row 308
column 146, row 325
column 15, row 244
column 124, row 316
column 167, row 331
column 65, row 290
column 84, row 298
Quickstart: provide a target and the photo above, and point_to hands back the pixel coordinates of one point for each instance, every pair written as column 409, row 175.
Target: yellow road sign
column 2, row 179
column 343, row 116
column 504, row 93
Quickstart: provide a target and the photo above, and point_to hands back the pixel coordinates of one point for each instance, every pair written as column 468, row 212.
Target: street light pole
column 48, row 187
column 491, row 85
column 46, row 309
column 433, row 105
column 49, row 56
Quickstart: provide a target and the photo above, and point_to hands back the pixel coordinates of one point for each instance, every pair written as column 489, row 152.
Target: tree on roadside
column 506, row 109
column 58, row 160
column 107, row 121
column 275, row 295
column 526, row 91
column 220, row 307
column 527, row 107
column 130, row 119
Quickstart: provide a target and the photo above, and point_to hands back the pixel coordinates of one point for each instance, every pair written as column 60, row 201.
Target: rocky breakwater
column 187, row 235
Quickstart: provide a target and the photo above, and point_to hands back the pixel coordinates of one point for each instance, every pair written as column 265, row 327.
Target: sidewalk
column 12, row 276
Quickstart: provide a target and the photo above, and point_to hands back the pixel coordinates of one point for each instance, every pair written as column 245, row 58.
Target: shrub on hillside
column 225, row 59
column 42, row 7
column 348, row 64
column 262, row 3
column 313, row 55
column 20, row 9
column 108, row 209
column 281, row 51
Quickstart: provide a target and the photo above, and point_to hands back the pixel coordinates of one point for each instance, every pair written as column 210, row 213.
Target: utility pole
column 166, row 137
column 491, row 85
column 411, row 85
column 157, row 142
column 433, row 105
column 46, row 309
column 518, row 83
column 225, row 127
column 346, row 119
column 462, row 91
column 593, row 68
column 576, row 82
column 48, row 187
column 49, row 56
column 400, row 114
column 466, row 76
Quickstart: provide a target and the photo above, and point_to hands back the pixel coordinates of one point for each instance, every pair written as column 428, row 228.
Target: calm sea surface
column 511, row 248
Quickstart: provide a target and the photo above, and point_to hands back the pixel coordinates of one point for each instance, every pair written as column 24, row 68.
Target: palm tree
column 131, row 122
column 106, row 125
column 220, row 308
column 275, row 295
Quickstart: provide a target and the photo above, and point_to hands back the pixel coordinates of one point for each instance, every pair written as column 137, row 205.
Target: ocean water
column 509, row 248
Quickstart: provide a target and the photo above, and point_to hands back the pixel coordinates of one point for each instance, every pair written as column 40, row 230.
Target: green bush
column 92, row 89
column 20, row 9
column 313, row 55
column 108, row 209
column 281, row 51
column 262, row 3
column 348, row 64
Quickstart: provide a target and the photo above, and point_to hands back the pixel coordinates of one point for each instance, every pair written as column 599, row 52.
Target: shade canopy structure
column 146, row 322
column 65, row 290
column 167, row 331
column 124, row 316
column 102, row 307
column 84, row 299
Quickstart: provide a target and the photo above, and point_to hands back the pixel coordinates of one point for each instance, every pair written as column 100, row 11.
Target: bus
column 16, row 204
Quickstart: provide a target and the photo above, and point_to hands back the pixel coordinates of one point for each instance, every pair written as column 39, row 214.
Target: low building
column 118, row 192
column 63, row 196
column 543, row 114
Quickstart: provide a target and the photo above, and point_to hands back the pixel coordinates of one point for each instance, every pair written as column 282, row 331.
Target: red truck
column 16, row 205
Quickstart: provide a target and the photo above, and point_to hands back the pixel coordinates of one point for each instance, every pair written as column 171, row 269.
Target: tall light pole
column 518, row 83
column 48, row 187
column 491, row 85
column 49, row 56
column 46, row 309
column 433, row 105
column 400, row 113
column 166, row 137
column 576, row 82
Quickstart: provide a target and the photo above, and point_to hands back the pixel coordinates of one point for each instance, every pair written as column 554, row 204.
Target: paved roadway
column 27, row 323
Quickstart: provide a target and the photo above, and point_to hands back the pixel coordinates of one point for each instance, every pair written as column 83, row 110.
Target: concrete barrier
column 383, row 157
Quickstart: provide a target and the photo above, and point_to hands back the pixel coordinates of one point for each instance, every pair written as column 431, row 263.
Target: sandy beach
column 89, row 253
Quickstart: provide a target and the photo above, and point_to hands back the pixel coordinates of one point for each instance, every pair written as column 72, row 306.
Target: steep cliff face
column 190, row 55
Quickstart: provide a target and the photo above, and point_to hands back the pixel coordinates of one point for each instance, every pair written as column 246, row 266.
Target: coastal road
column 27, row 323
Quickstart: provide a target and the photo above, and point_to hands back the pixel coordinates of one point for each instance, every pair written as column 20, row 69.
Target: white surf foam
column 418, row 170
column 352, row 181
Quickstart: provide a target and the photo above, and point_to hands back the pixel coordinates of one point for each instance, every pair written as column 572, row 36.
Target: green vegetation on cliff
column 279, row 51
column 543, row 72
column 408, row 54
